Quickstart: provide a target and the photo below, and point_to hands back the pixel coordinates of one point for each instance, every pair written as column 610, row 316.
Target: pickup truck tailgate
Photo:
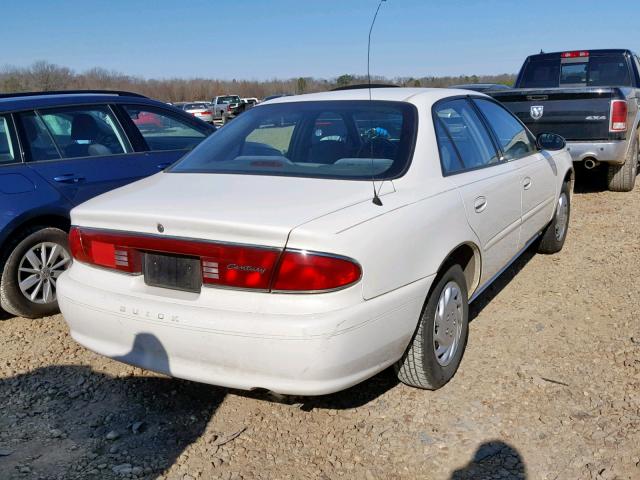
column 575, row 113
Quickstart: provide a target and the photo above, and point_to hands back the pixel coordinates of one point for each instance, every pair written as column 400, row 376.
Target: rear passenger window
column 73, row 132
column 461, row 126
column 164, row 131
column 7, row 153
column 514, row 139
column 36, row 138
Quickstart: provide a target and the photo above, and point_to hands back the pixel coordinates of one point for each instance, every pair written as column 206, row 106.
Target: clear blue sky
column 260, row 39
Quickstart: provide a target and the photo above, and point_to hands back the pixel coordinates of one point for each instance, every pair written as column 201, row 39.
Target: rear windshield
column 594, row 71
column 357, row 140
column 229, row 99
column 194, row 106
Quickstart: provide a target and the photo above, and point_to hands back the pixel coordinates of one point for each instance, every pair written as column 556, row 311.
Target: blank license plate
column 170, row 271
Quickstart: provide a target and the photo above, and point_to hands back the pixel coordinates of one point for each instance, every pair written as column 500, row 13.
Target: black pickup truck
column 590, row 97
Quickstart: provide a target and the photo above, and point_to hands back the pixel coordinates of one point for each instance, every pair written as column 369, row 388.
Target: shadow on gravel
column 66, row 422
column 590, row 181
column 494, row 459
column 5, row 315
column 500, row 283
column 354, row 397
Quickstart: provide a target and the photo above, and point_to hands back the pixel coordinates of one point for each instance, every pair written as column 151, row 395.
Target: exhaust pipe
column 591, row 163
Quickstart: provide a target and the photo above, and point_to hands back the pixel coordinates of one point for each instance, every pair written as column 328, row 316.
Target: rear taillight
column 222, row 265
column 206, row 112
column 104, row 250
column 618, row 116
column 310, row 271
column 239, row 266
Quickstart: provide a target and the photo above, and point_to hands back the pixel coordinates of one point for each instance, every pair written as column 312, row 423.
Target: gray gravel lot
column 549, row 389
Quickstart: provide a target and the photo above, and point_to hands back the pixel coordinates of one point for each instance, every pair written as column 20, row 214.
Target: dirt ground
column 549, row 388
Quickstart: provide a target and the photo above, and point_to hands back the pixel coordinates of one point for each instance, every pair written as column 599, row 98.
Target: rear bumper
column 608, row 152
column 246, row 344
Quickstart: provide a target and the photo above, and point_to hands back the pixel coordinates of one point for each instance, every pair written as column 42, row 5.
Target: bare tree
column 42, row 76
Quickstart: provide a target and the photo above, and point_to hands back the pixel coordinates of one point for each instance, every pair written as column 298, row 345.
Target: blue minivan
column 58, row 149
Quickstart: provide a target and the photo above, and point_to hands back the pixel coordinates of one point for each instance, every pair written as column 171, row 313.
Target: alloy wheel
column 39, row 270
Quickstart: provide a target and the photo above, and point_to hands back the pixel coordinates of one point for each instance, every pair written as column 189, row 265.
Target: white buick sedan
column 317, row 240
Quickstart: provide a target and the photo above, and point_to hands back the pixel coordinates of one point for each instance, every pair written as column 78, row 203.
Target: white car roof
column 394, row 94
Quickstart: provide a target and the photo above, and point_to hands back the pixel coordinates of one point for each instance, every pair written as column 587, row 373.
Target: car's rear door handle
column 526, row 184
column 69, row 178
column 480, row 204
column 162, row 166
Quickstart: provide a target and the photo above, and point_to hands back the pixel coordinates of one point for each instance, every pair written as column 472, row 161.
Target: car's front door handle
column 69, row 178
column 480, row 204
column 162, row 166
column 526, row 184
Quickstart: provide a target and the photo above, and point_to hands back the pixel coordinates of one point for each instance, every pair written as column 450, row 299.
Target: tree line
column 44, row 76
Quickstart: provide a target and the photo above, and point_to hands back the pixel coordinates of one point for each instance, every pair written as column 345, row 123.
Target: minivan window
column 467, row 132
column 356, row 140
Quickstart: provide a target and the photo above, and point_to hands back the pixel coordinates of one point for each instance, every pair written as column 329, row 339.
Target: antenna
column 376, row 198
column 369, row 46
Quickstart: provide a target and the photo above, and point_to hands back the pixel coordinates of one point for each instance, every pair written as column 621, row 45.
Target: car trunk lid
column 247, row 209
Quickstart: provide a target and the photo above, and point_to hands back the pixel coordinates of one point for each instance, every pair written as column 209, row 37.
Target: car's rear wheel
column 28, row 284
column 553, row 237
column 622, row 178
column 436, row 349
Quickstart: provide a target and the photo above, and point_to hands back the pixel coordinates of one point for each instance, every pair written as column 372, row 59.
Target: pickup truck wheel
column 435, row 352
column 28, row 284
column 554, row 235
column 622, row 178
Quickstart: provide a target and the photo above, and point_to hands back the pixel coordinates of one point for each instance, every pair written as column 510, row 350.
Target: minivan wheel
column 554, row 235
column 30, row 273
column 622, row 178
column 436, row 349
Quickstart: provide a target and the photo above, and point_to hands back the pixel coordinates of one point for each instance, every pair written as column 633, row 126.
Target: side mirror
column 550, row 141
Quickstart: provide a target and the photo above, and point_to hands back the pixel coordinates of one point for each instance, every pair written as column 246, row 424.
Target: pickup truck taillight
column 618, row 116
column 221, row 264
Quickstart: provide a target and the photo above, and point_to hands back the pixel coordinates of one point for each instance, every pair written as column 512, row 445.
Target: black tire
column 419, row 366
column 553, row 237
column 12, row 299
column 622, row 178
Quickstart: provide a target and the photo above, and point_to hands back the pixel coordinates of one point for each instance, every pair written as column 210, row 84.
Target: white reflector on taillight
column 210, row 270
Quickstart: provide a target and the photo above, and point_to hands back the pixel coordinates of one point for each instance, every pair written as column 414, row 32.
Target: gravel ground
column 549, row 388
